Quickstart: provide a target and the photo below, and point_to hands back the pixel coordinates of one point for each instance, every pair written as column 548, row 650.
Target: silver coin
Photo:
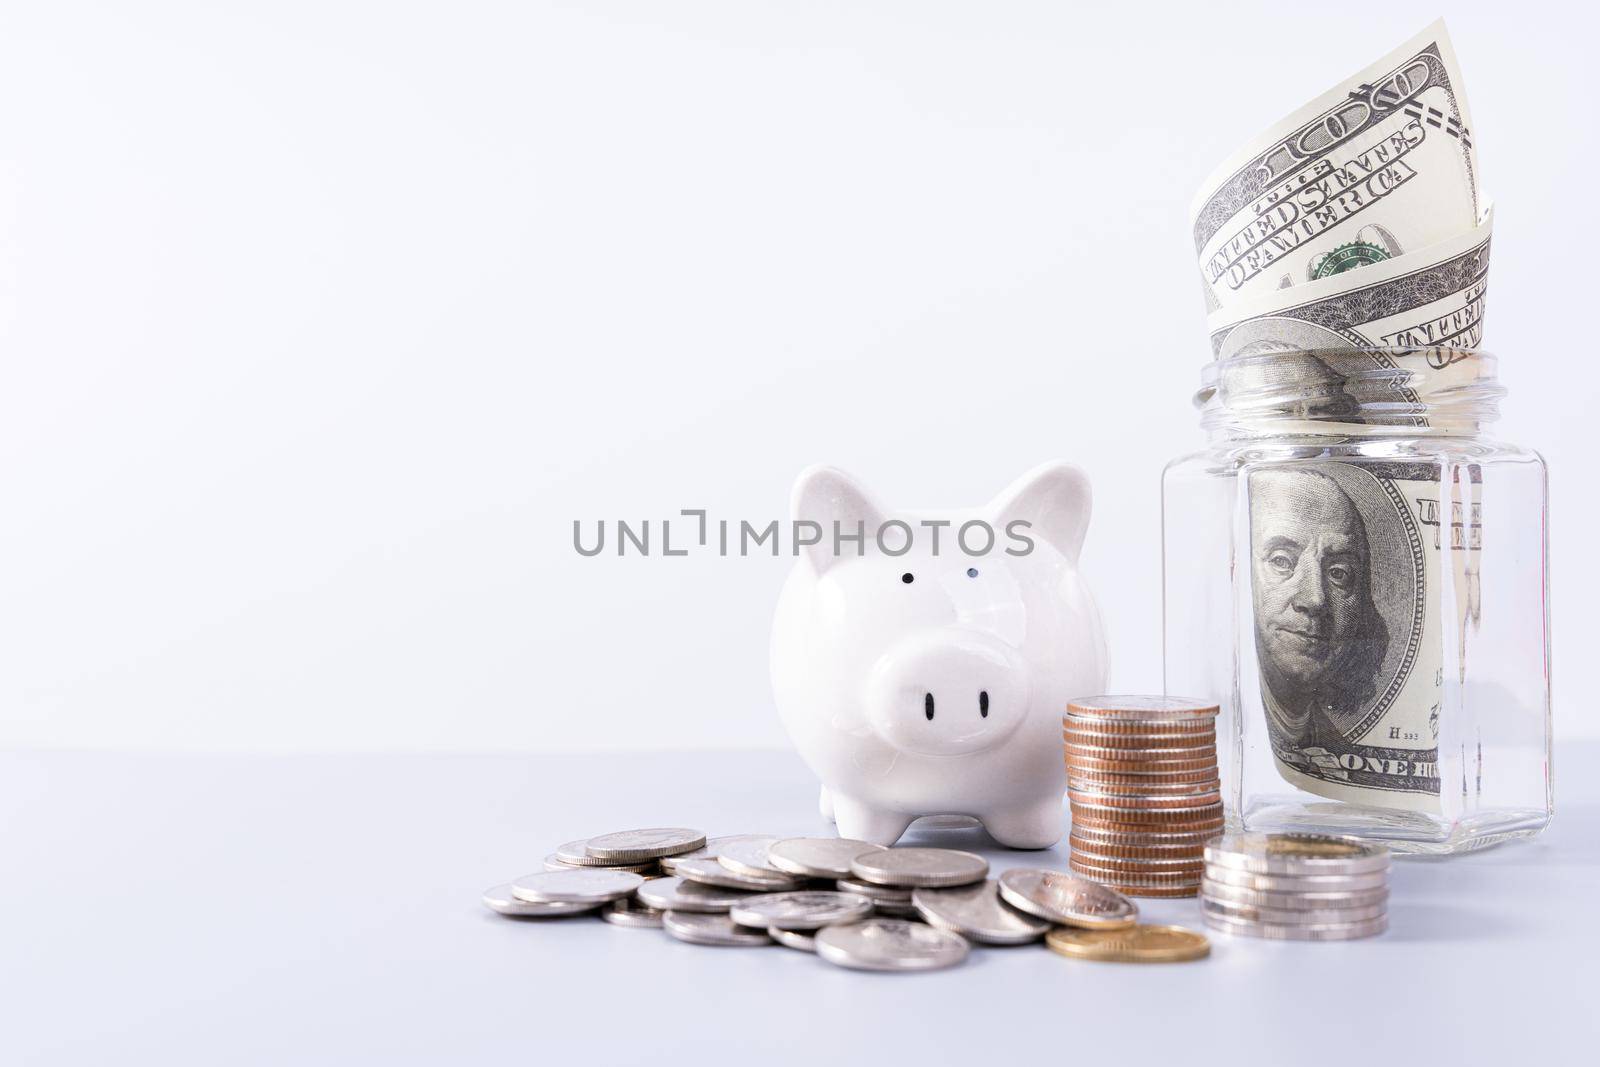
column 1299, row 854
column 1138, row 708
column 890, row 945
column 817, row 857
column 1293, row 916
column 636, row 846
column 750, row 857
column 711, row 849
column 702, row 928
column 677, row 894
column 500, row 899
column 629, row 912
column 876, row 893
column 1297, row 883
column 712, row 872
column 1256, row 898
column 1067, row 899
column 554, row 862
column 910, row 867
column 977, row 913
column 1302, row 932
column 576, row 854
column 808, row 909
column 804, row 940
column 591, row 885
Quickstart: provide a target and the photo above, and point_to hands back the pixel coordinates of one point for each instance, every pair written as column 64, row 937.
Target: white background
column 321, row 322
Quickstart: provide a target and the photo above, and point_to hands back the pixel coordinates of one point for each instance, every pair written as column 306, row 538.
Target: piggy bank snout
column 948, row 693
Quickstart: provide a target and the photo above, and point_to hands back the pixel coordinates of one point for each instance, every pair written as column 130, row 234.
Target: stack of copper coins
column 1142, row 780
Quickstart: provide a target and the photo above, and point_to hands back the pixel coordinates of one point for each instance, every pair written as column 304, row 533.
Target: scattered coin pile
column 1143, row 783
column 1302, row 887
column 852, row 903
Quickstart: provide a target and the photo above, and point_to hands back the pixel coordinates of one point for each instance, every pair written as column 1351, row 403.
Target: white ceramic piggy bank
column 934, row 682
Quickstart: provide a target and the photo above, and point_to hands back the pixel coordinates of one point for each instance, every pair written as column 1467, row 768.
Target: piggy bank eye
column 972, row 572
column 908, row 577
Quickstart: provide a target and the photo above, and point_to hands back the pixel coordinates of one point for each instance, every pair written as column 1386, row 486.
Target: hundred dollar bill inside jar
column 1346, row 561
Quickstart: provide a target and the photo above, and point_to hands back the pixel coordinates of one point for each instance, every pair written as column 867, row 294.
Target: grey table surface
column 234, row 909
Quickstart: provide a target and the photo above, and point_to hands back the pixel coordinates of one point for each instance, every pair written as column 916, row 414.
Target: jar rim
column 1350, row 391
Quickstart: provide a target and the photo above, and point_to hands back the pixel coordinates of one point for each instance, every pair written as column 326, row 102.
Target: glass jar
column 1357, row 572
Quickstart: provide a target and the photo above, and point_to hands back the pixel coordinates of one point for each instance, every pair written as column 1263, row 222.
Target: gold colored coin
column 1311, row 846
column 1136, row 944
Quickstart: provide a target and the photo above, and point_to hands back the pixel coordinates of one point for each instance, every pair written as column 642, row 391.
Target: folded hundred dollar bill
column 1358, row 221
column 1431, row 298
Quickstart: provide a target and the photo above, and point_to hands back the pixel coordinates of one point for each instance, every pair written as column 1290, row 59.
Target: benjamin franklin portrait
column 1320, row 638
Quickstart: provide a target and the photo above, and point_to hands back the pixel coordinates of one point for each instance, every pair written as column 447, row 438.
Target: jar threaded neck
column 1354, row 392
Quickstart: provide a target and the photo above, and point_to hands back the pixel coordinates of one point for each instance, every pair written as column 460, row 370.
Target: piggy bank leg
column 867, row 823
column 825, row 804
column 1036, row 826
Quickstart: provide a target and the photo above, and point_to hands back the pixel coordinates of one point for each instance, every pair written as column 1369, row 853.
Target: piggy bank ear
column 827, row 495
column 1055, row 501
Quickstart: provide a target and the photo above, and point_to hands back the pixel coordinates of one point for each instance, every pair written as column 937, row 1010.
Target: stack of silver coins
column 852, row 903
column 1302, row 887
column 1143, row 783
